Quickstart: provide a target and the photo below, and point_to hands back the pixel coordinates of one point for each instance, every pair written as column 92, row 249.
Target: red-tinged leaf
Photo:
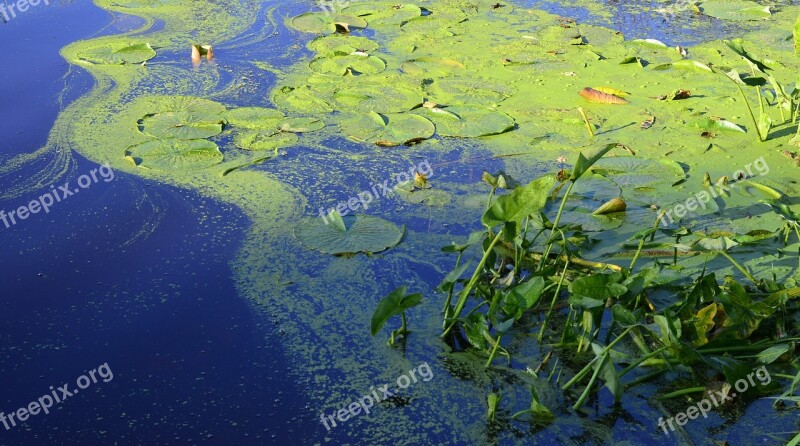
column 592, row 95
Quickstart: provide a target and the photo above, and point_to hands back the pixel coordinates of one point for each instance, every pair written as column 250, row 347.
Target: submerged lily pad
column 349, row 234
column 350, row 64
column 116, row 55
column 175, row 154
column 391, row 129
column 322, row 23
column 735, row 10
column 468, row 121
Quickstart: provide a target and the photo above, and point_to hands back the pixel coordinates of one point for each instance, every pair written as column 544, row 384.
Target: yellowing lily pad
column 391, row 129
column 468, row 121
column 348, row 235
column 175, row 154
column 118, row 55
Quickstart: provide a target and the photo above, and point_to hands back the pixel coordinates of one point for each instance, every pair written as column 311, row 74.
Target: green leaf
column 477, row 329
column 717, row 125
column 539, row 410
column 608, row 373
column 772, row 354
column 393, row 304
column 342, row 45
column 738, row 48
column 468, row 121
column 379, row 97
column 520, row 203
column 796, row 33
column 118, row 55
column 703, row 323
column 735, row 10
column 322, row 23
column 264, row 140
column 599, row 286
column 363, row 233
column 175, row 154
column 350, row 64
column 586, row 161
column 254, row 118
column 390, row 129
column 184, row 117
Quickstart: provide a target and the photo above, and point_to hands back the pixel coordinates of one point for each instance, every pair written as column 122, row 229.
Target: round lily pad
column 735, row 10
column 301, row 125
column 468, row 121
column 184, row 117
column 322, row 23
column 349, row 234
column 255, row 117
column 383, row 13
column 350, row 64
column 118, row 55
column 456, row 90
column 379, row 98
column 391, row 129
column 182, row 125
column 342, row 45
column 175, row 154
column 636, row 173
column 264, row 139
column 303, row 99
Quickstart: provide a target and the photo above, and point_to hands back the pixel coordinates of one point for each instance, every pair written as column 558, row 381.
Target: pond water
column 218, row 326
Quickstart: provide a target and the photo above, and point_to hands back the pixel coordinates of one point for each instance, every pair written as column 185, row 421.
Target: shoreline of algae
column 325, row 313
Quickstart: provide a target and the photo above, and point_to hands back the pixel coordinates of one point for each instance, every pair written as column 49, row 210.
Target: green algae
column 531, row 66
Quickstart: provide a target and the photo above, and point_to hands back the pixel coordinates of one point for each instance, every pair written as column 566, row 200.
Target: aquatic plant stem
column 553, row 302
column 446, row 308
column 462, row 300
column 589, row 126
column 585, row 370
column 740, row 267
column 555, row 224
column 494, row 351
column 749, row 109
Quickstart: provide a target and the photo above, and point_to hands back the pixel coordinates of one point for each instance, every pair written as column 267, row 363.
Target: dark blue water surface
column 124, row 273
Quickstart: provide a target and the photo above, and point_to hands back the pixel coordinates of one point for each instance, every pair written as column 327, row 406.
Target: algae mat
column 326, row 115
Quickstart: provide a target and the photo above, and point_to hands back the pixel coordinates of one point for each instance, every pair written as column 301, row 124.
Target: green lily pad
column 342, row 45
column 350, row 234
column 255, row 118
column 456, row 90
column 718, row 125
column 118, row 55
column 391, row 129
column 175, row 154
column 735, row 10
column 301, row 125
column 184, row 117
column 350, row 64
column 264, row 139
column 379, row 98
column 637, row 173
column 431, row 66
column 303, row 99
column 383, row 13
column 322, row 23
column 468, row 121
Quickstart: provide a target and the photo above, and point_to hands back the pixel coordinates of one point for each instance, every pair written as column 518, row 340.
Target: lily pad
column 254, row 117
column 637, row 173
column 719, row 125
column 391, row 129
column 119, row 55
column 379, row 98
column 735, row 10
column 322, row 23
column 383, row 13
column 264, row 139
column 350, row 234
column 342, row 45
column 304, row 99
column 468, row 121
column 350, row 64
column 185, row 117
column 175, row 154
column 431, row 66
column 467, row 91
column 301, row 125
